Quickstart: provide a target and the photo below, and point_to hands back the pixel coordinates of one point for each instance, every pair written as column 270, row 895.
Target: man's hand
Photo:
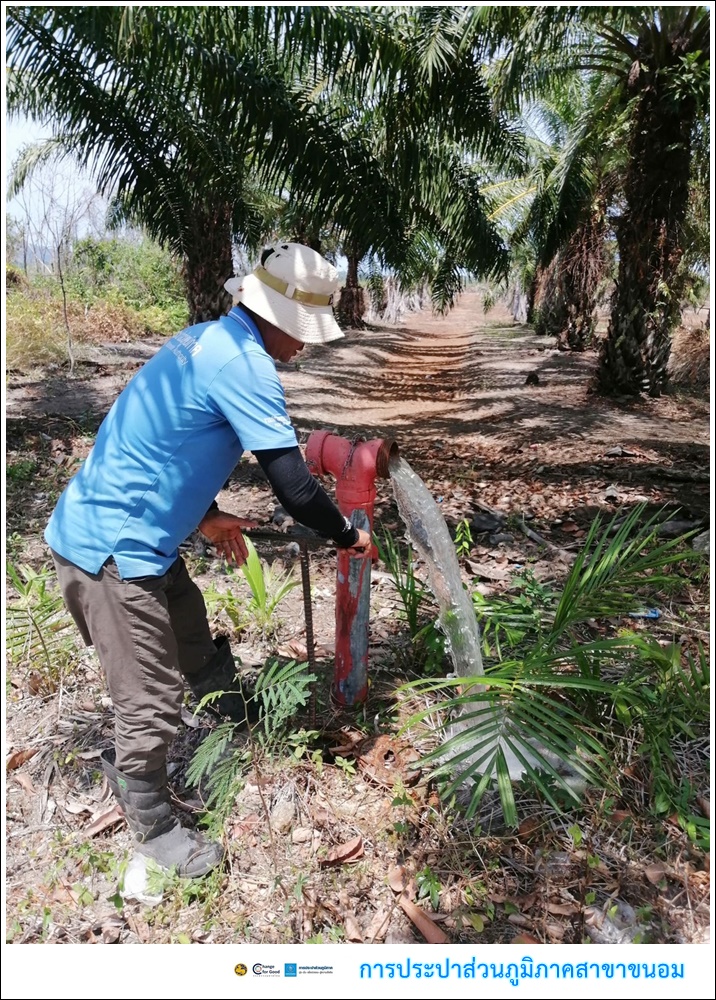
column 364, row 545
column 224, row 533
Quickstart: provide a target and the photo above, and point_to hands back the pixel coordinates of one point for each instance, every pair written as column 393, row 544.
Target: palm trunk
column 584, row 266
column 550, row 313
column 531, row 298
column 352, row 304
column 568, row 288
column 646, row 304
column 208, row 264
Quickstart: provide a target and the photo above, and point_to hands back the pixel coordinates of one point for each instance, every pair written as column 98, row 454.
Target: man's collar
column 240, row 316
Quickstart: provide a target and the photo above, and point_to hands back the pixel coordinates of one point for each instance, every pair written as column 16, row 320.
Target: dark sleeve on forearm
column 302, row 496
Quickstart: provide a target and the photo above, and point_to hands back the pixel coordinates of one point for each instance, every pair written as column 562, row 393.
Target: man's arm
column 306, row 501
column 303, row 498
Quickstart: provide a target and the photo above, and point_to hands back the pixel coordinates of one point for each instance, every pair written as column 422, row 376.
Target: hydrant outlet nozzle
column 388, row 449
column 360, row 461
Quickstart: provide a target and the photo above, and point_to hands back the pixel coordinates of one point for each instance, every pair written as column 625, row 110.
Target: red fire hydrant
column 355, row 465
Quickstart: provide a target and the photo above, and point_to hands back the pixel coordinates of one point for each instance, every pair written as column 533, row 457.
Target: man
column 162, row 454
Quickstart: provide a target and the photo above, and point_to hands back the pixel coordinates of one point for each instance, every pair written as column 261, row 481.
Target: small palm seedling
column 555, row 703
column 36, row 625
column 411, row 591
column 269, row 586
column 428, row 643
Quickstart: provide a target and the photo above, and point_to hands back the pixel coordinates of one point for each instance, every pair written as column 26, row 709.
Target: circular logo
column 240, row 969
column 257, row 969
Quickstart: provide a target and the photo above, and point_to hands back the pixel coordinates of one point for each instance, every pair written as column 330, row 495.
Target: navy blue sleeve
column 302, row 496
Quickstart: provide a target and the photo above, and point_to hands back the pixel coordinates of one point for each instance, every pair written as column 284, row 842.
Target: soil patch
column 358, row 835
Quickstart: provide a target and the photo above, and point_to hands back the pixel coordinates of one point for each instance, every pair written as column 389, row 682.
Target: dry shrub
column 106, row 322
column 690, row 362
column 14, row 278
column 36, row 334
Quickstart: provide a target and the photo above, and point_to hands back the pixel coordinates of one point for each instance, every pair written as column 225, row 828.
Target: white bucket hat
column 293, row 289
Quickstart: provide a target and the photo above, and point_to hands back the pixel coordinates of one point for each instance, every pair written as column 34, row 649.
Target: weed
column 429, row 650
column 222, row 763
column 14, row 930
column 345, row 765
column 405, row 805
column 35, row 334
column 301, row 742
column 463, row 538
column 299, row 887
column 23, row 470
column 576, row 834
column 14, row 546
column 228, row 602
column 428, row 885
column 334, row 935
column 506, row 622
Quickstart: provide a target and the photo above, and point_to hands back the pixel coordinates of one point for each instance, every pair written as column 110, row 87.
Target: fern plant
column 541, row 706
column 222, row 761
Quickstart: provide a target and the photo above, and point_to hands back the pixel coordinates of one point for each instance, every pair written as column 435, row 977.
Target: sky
column 60, row 191
column 15, row 135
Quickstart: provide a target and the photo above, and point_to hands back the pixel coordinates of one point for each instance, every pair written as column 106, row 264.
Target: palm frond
column 610, row 569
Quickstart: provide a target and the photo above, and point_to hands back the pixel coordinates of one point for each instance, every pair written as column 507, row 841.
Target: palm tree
column 666, row 87
column 423, row 128
column 173, row 110
column 569, row 287
column 554, row 215
column 656, row 63
column 198, row 120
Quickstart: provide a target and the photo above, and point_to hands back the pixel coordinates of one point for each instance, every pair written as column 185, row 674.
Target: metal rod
column 308, row 611
column 281, row 537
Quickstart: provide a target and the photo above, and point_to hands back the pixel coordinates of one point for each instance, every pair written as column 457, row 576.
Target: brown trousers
column 148, row 632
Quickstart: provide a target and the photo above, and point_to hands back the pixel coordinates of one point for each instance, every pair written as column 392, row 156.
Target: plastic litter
column 135, row 884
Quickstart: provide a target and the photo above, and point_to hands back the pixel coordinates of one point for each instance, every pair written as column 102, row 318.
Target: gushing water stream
column 430, row 537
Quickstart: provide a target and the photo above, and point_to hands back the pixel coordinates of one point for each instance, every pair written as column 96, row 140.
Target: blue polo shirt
column 167, row 447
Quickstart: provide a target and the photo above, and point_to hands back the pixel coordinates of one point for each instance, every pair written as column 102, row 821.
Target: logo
column 263, row 970
column 290, row 969
column 240, row 969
